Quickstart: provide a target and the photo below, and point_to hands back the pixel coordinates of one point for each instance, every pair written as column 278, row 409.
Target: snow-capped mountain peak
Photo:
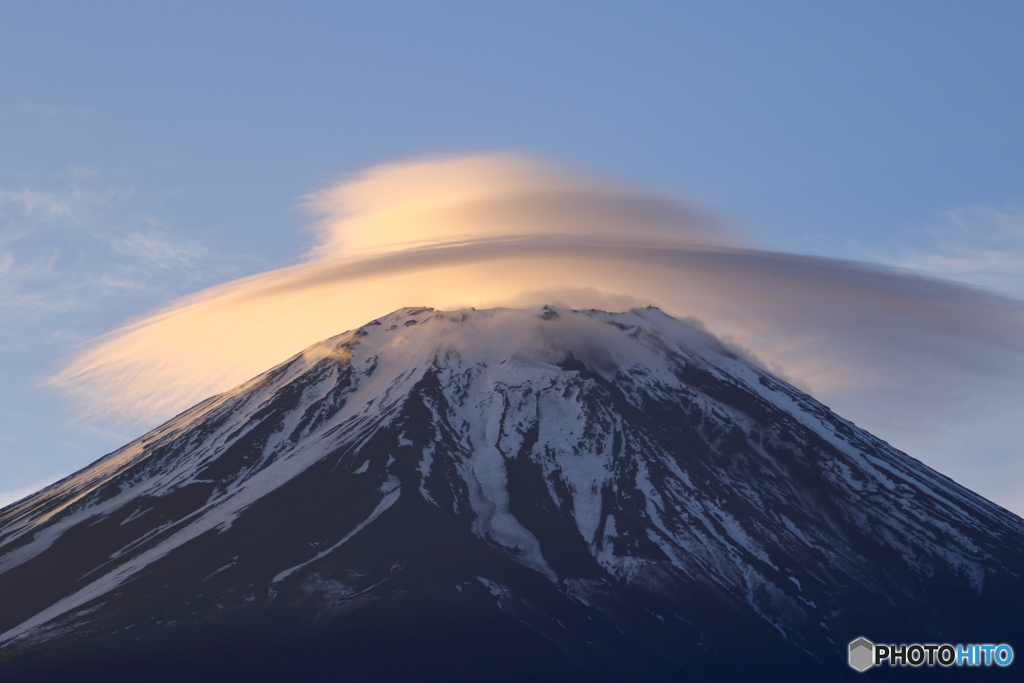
column 618, row 481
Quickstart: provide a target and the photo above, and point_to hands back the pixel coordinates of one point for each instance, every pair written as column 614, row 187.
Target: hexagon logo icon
column 862, row 654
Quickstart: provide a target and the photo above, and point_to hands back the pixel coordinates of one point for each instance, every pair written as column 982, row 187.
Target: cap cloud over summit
column 894, row 350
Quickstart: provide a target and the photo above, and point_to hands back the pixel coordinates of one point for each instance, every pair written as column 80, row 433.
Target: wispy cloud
column 979, row 245
column 157, row 252
column 72, row 247
column 24, row 209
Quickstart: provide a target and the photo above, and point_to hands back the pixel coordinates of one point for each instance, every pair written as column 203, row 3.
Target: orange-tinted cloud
column 505, row 230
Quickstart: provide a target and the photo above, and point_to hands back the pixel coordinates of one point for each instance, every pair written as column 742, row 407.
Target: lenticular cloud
column 507, row 230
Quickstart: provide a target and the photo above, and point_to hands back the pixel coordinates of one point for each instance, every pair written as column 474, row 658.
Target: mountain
column 502, row 495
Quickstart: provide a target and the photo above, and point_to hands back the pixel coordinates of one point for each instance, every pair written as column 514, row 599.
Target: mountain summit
column 505, row 494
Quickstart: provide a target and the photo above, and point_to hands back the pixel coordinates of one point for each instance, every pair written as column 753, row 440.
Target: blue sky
column 148, row 150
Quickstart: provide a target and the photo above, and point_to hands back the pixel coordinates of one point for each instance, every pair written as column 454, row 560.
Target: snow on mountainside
column 613, row 492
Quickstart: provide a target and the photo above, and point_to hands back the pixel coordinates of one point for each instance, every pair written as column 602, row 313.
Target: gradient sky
column 149, row 150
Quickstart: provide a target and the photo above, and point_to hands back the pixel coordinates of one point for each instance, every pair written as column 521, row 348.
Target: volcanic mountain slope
column 501, row 495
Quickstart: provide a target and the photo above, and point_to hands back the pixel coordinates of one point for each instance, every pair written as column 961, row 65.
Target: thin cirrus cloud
column 65, row 249
column 508, row 230
column 980, row 245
